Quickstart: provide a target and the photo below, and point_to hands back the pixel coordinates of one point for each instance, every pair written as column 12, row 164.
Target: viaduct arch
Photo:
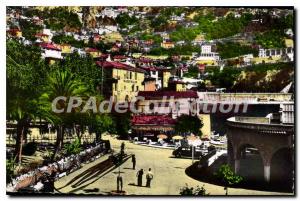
column 267, row 138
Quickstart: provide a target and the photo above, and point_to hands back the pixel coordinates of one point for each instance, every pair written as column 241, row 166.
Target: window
column 151, row 106
column 137, row 88
column 136, row 75
column 132, row 88
column 130, row 75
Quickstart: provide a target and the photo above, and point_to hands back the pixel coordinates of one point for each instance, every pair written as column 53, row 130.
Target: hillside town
column 101, row 97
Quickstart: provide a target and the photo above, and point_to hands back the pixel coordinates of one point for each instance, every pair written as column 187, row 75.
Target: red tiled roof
column 50, row 46
column 120, row 57
column 159, row 94
column 41, row 35
column 13, row 30
column 170, row 43
column 152, row 120
column 144, row 60
column 118, row 65
column 91, row 50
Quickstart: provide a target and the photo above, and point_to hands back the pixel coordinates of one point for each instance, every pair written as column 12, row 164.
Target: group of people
column 140, row 173
column 149, row 177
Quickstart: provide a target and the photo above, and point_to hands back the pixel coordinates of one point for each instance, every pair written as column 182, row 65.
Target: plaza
column 169, row 175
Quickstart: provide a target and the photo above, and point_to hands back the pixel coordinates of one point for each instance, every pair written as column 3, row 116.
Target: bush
column 191, row 191
column 73, row 148
column 10, row 167
column 30, row 148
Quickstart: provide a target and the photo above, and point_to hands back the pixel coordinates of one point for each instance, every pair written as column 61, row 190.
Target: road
column 169, row 175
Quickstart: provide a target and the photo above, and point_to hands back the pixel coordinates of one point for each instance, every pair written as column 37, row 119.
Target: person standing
column 140, row 177
column 133, row 159
column 119, row 183
column 149, row 177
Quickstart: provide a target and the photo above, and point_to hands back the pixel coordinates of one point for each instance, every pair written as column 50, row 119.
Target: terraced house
column 121, row 81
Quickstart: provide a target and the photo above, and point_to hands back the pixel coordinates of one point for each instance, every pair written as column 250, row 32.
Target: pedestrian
column 119, row 183
column 140, row 177
column 149, row 177
column 133, row 159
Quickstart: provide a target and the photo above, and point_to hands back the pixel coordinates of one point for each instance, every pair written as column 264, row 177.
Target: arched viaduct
column 268, row 138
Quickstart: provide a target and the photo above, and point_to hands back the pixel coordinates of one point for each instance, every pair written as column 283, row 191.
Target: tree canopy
column 189, row 124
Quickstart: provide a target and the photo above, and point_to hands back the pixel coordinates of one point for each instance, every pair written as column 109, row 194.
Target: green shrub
column 74, row 147
column 191, row 191
column 30, row 148
column 10, row 167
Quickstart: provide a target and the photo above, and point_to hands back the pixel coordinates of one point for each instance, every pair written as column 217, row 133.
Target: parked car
column 186, row 151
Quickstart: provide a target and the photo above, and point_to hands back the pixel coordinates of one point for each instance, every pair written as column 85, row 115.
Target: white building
column 289, row 32
column 49, row 50
column 208, row 55
column 277, row 53
column 107, row 29
column 110, row 12
column 287, row 113
column 49, row 33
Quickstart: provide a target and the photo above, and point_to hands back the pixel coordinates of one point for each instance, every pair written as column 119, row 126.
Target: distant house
column 51, row 52
column 177, row 85
column 65, row 48
column 115, row 48
column 151, row 73
column 107, row 29
column 208, row 55
column 200, row 39
column 49, row 33
column 267, row 53
column 110, row 12
column 177, row 18
column 289, row 32
column 181, row 42
column 289, row 42
column 95, row 53
column 97, row 38
column 148, row 42
column 41, row 37
column 167, row 45
column 14, row 33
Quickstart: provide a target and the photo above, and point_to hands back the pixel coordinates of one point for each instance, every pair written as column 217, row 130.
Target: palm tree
column 62, row 82
column 24, row 73
column 19, row 109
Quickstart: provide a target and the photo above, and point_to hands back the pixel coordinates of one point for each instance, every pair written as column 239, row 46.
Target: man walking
column 133, row 161
column 140, row 177
column 149, row 177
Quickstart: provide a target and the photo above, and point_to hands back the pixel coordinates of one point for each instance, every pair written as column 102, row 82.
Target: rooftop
column 176, row 94
column 118, row 65
column 50, row 46
column 153, row 120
